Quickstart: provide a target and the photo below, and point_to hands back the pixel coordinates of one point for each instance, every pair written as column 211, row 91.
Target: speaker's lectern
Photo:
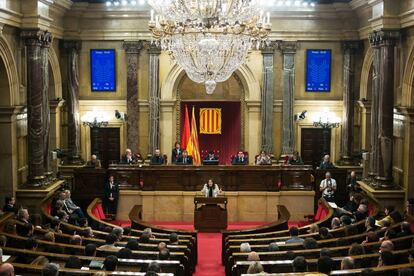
column 210, row 214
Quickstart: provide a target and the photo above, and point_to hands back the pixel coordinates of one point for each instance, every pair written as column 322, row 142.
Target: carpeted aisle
column 209, row 255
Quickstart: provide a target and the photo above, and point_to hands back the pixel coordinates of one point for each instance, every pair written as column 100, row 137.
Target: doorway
column 315, row 143
column 105, row 143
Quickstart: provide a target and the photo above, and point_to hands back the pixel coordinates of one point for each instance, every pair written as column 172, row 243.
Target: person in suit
column 185, row 159
column 111, row 195
column 211, row 156
column 295, row 159
column 157, row 158
column 211, row 189
column 176, row 153
column 129, row 157
column 71, row 206
column 326, row 163
column 94, row 162
column 10, row 205
column 352, row 184
column 240, row 159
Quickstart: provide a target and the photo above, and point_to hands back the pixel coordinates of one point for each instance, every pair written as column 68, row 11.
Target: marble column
column 132, row 49
column 387, row 41
column 267, row 97
column 44, row 52
column 35, row 105
column 350, row 48
column 72, row 48
column 154, row 97
column 288, row 139
column 372, row 172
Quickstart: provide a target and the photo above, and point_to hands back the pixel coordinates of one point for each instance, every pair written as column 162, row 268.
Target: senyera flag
column 193, row 148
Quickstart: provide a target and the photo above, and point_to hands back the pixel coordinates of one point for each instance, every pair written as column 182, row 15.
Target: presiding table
column 210, row 213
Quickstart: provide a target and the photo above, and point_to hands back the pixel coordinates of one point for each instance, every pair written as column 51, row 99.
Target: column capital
column 288, row 47
column 269, row 47
column 133, row 47
column 71, row 45
column 36, row 37
column 384, row 38
column 153, row 48
column 56, row 103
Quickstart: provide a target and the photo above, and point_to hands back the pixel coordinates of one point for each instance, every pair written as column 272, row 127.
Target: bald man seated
column 6, row 269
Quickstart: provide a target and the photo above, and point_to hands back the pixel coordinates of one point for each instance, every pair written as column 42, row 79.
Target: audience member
column 10, row 227
column 245, row 247
column 310, row 243
column 253, row 256
column 50, row 269
column 161, row 246
column 10, row 205
column 294, row 233
column 370, row 224
column 356, row 250
column 300, row 264
column 118, row 232
column 255, row 268
column 347, row 263
column 324, row 234
column 110, row 263
column 352, row 184
column 386, row 258
column 3, row 241
column 164, row 254
column 370, row 237
column 313, row 228
column 325, row 252
column 73, row 262
column 6, row 269
column 145, row 237
column 335, row 223
column 386, row 246
column 110, row 241
column 71, row 207
column 325, row 265
column 132, row 244
column 90, row 250
column 405, row 229
column 173, row 238
column 345, row 220
column 124, row 253
column 273, row 247
column 350, row 230
column 155, row 267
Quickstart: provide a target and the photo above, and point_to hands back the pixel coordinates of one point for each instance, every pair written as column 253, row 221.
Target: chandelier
column 95, row 119
column 326, row 119
column 210, row 39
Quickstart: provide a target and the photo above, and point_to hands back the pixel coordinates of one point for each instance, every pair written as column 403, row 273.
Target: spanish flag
column 192, row 146
column 185, row 136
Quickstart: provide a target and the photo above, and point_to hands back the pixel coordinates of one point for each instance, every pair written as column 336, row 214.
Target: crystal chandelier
column 326, row 119
column 210, row 39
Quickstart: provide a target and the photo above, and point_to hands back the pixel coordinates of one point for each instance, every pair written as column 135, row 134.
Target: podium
column 210, row 214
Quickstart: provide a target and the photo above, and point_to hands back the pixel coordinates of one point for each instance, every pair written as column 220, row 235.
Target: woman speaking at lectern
column 210, row 189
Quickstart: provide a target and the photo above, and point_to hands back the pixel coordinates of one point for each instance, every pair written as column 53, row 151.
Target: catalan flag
column 192, row 147
column 210, row 120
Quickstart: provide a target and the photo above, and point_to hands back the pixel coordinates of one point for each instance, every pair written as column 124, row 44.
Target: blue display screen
column 318, row 70
column 103, row 70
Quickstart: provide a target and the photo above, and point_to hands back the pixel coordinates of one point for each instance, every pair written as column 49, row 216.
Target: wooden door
column 105, row 143
column 316, row 142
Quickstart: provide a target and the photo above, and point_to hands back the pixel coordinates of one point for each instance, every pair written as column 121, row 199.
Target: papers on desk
column 5, row 258
column 333, row 205
column 281, row 243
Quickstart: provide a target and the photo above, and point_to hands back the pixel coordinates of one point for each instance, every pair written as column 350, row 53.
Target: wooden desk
column 210, row 214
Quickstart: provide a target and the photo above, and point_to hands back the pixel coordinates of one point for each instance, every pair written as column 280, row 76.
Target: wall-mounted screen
column 103, row 70
column 318, row 70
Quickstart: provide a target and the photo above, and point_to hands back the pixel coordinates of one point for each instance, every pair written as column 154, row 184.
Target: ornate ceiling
column 318, row 1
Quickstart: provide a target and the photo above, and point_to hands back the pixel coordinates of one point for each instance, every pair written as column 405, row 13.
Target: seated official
column 328, row 187
column 184, row 159
column 94, row 162
column 240, row 159
column 295, row 159
column 352, row 184
column 263, row 159
column 129, row 157
column 157, row 158
column 326, row 163
column 211, row 156
column 176, row 153
column 210, row 189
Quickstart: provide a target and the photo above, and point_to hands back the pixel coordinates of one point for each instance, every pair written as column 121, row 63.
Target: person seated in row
column 157, row 158
column 240, row 159
column 10, row 205
column 210, row 189
column 263, row 159
column 295, row 159
column 352, row 184
column 326, row 163
column 328, row 188
column 211, row 156
column 129, row 157
column 184, row 159
column 177, row 152
column 94, row 162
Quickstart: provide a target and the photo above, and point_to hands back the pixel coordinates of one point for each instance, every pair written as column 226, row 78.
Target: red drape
column 228, row 142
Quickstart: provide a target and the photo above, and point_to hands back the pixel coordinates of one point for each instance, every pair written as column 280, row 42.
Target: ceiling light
column 305, row 4
column 312, row 4
column 108, row 3
column 124, row 2
column 141, row 2
column 288, row 3
column 116, row 3
column 133, row 3
column 297, row 3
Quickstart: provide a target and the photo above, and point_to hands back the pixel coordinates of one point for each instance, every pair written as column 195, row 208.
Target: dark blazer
column 133, row 159
column 238, row 161
column 157, row 160
column 10, row 208
column 188, row 161
column 176, row 154
column 114, row 191
column 208, row 158
column 326, row 166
